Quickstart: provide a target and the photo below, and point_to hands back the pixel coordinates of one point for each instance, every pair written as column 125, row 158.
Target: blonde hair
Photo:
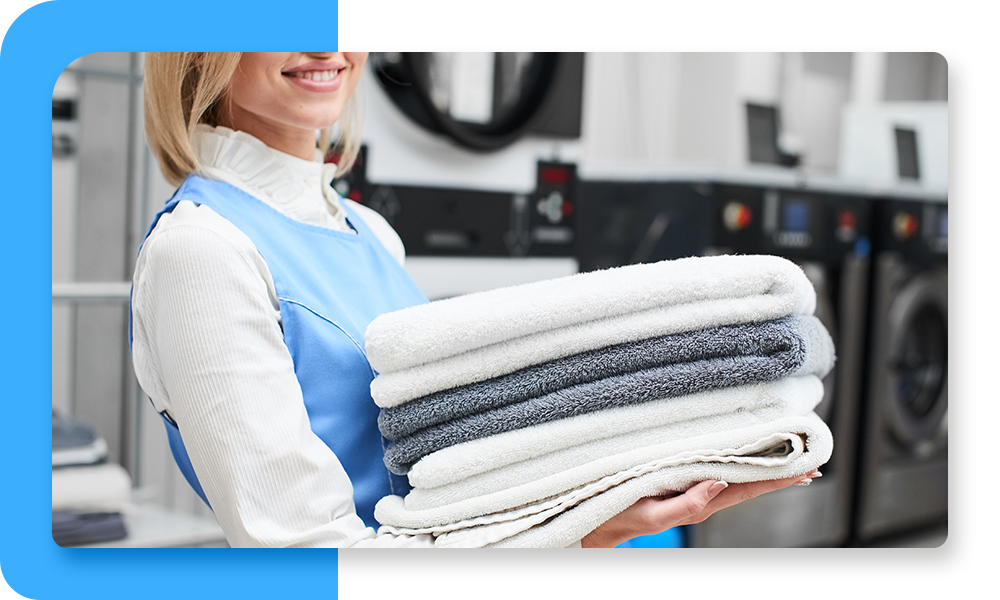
column 183, row 89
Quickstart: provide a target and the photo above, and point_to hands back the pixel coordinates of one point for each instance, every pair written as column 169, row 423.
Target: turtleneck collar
column 298, row 188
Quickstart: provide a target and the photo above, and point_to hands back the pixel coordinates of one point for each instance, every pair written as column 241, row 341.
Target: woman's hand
column 658, row 513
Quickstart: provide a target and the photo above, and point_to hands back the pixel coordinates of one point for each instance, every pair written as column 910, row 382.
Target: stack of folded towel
column 527, row 416
column 90, row 495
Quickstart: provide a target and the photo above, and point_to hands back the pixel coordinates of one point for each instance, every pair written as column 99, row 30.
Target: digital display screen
column 906, row 153
column 762, row 126
column 943, row 224
column 795, row 215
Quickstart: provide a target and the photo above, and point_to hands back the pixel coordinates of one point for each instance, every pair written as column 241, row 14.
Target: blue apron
column 330, row 286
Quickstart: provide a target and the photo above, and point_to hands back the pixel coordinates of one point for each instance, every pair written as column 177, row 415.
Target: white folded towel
column 106, row 487
column 572, row 525
column 440, row 329
column 667, row 467
column 444, row 344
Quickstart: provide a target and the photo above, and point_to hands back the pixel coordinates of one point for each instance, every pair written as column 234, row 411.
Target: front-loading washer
column 826, row 231
column 903, row 456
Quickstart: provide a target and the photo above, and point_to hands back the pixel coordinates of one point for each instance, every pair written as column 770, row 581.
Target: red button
column 847, row 220
column 736, row 216
column 904, row 225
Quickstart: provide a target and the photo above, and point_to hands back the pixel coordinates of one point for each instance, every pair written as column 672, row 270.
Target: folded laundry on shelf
column 89, row 494
column 72, row 528
column 97, row 488
column 75, row 443
column 88, row 500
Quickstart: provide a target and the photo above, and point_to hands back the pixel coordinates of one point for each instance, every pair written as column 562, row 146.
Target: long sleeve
column 208, row 349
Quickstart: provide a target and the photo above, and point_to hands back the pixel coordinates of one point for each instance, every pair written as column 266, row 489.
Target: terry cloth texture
column 454, row 466
column 666, row 381
column 793, row 344
column 630, row 432
column 449, row 343
column 528, row 416
column 783, row 448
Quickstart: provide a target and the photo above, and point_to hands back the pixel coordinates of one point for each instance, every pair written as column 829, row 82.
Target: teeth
column 316, row 75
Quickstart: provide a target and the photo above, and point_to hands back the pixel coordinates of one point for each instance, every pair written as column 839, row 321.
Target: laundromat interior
column 498, row 169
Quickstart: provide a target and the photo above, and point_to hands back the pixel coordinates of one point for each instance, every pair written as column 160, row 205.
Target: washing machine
column 826, row 231
column 903, row 457
column 628, row 217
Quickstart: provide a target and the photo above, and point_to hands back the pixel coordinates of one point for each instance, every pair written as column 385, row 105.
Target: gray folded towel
column 71, row 528
column 807, row 349
column 781, row 340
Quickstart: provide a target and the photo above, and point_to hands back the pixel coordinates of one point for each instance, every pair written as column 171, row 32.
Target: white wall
column 631, row 103
column 671, row 109
column 687, row 108
column 869, row 152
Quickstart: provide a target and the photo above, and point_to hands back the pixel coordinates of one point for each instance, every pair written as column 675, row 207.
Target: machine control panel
column 916, row 228
column 804, row 224
column 433, row 221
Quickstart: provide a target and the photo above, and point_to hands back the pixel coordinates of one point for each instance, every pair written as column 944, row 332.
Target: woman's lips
column 318, row 80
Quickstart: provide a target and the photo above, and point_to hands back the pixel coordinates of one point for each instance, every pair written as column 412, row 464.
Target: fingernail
column 717, row 488
column 815, row 474
column 804, row 482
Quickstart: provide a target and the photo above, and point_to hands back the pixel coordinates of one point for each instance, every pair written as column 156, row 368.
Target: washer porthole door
column 922, row 362
column 918, row 363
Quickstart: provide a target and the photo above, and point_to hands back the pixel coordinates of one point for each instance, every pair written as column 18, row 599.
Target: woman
column 250, row 299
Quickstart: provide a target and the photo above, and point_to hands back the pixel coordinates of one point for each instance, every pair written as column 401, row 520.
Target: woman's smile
column 282, row 98
column 316, row 77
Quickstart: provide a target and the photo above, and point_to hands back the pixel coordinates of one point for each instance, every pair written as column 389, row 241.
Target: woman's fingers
column 696, row 500
column 654, row 514
column 657, row 513
column 741, row 492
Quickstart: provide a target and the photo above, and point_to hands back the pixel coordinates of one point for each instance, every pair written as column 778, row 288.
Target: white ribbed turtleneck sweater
column 207, row 348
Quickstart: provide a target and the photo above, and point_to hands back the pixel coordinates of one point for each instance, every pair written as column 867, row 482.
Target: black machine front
column 439, row 221
column 629, row 222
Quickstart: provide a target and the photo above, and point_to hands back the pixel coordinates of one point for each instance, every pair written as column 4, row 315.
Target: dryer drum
column 917, row 365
